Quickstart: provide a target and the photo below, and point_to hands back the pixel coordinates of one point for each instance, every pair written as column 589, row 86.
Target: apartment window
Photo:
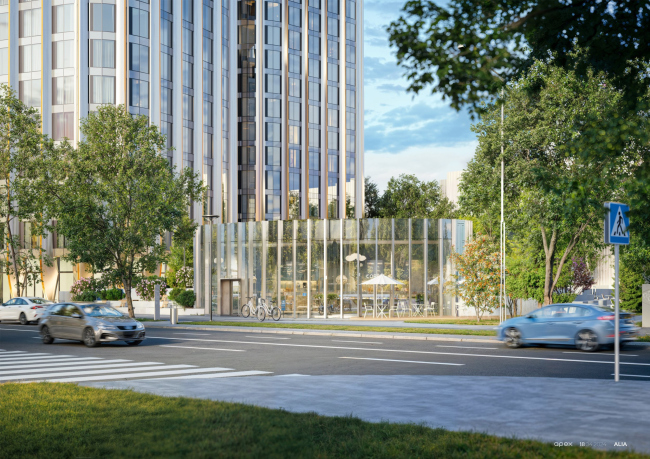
column 314, row 21
column 272, row 204
column 272, row 180
column 294, row 64
column 294, row 87
column 166, row 32
column 294, row 111
column 333, row 6
column 333, row 27
column 139, row 58
column 188, row 42
column 62, row 90
column 314, row 45
column 314, row 114
column 166, row 101
column 314, row 68
column 139, row 25
column 350, row 122
column 4, row 61
column 247, row 106
column 139, row 93
column 102, row 17
column 247, row 131
column 350, row 31
column 333, row 118
column 294, row 40
column 188, row 144
column 333, row 163
column 273, row 156
column 350, row 76
column 4, row 26
column 273, row 132
column 294, row 16
column 333, row 49
column 333, row 72
column 350, row 55
column 314, row 138
column 351, row 9
column 273, row 108
column 350, row 99
column 273, row 84
column 207, row 50
column 273, row 36
column 207, row 18
column 207, row 146
column 294, row 159
column 62, row 54
column 314, row 4
column 314, row 160
column 188, row 107
column 294, row 135
column 350, row 144
column 188, row 74
column 102, row 89
column 247, row 34
column 30, row 58
column 333, row 95
column 166, row 66
column 207, row 82
column 63, row 18
column 332, row 140
column 29, row 91
column 29, row 22
column 294, row 181
column 102, row 53
column 273, row 60
column 273, row 11
column 63, row 126
column 349, row 165
column 166, row 5
column 314, row 91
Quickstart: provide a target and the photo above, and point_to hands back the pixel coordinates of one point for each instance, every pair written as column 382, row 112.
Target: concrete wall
column 645, row 306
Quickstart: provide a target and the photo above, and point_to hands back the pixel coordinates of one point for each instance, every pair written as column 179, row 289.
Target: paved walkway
column 549, row 409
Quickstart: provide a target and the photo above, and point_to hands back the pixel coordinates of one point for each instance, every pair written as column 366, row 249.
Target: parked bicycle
column 260, row 311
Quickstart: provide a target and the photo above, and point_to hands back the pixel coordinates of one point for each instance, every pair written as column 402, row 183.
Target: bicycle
column 261, row 311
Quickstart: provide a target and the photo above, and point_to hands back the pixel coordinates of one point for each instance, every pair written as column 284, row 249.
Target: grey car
column 91, row 324
column 583, row 326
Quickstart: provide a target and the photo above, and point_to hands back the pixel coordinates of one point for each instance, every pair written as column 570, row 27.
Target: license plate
column 128, row 334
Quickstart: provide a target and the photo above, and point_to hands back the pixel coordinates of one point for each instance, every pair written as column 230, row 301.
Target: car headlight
column 139, row 326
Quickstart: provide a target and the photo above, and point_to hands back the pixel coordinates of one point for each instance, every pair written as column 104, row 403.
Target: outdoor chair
column 367, row 308
column 431, row 309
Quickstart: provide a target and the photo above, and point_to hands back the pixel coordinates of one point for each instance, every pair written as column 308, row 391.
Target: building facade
column 263, row 99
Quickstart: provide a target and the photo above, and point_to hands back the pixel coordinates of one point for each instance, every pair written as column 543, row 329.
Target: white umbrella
column 433, row 281
column 381, row 280
column 355, row 256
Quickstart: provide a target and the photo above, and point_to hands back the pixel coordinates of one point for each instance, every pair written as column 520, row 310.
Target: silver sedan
column 91, row 324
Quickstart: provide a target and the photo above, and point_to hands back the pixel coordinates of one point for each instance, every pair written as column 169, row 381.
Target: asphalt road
column 180, row 352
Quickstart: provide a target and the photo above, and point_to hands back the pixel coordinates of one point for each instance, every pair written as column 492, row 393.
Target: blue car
column 584, row 326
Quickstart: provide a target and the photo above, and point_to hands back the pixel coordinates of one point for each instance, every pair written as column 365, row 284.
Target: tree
column 373, row 199
column 408, row 197
column 506, row 36
column 477, row 281
column 21, row 144
column 546, row 109
column 634, row 272
column 115, row 194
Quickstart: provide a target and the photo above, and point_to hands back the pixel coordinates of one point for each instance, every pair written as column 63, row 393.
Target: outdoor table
column 418, row 309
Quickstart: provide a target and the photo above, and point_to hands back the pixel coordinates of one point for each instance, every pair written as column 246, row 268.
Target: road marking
column 404, row 361
column 35, row 355
column 45, row 360
column 135, row 375
column 195, row 334
column 100, row 366
column 216, row 375
column 634, row 376
column 49, row 363
column 316, row 346
column 19, row 329
column 264, row 337
column 358, row 342
column 205, row 348
column 468, row 347
column 3, row 353
column 599, row 353
column 88, row 372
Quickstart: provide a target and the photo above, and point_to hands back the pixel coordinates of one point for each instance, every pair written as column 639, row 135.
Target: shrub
column 112, row 294
column 186, row 298
column 84, row 284
column 87, row 295
column 174, row 293
column 145, row 287
column 185, row 277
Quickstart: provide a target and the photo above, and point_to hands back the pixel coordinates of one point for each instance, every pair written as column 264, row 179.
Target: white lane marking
column 90, row 372
column 264, row 337
column 358, row 342
column 3, row 353
column 635, row 376
column 36, row 355
column 89, row 367
column 62, row 362
column 195, row 334
column 137, row 375
column 205, row 348
column 316, row 346
column 599, row 353
column 19, row 329
column 469, row 347
column 216, row 375
column 404, row 361
column 45, row 360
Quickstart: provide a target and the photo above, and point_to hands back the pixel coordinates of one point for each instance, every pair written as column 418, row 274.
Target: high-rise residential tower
column 264, row 99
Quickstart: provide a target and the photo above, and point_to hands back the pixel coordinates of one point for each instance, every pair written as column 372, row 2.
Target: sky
column 418, row 135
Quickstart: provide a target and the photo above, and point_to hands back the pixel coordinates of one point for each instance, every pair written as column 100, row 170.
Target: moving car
column 91, row 324
column 585, row 326
column 24, row 309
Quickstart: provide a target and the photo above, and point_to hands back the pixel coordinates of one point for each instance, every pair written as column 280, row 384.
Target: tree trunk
column 12, row 247
column 549, row 250
column 129, row 299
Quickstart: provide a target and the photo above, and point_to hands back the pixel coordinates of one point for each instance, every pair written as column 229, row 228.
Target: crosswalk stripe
column 135, row 375
column 46, row 360
column 62, row 362
column 89, row 367
column 82, row 373
column 29, row 356
column 3, row 353
column 216, row 375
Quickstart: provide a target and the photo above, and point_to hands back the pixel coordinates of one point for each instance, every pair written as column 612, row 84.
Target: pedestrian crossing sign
column 617, row 223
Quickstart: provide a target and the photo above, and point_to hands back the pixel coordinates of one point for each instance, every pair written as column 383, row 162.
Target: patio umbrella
column 381, row 280
column 355, row 256
column 433, row 281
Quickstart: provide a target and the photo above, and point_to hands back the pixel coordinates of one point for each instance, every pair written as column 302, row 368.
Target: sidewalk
column 600, row 412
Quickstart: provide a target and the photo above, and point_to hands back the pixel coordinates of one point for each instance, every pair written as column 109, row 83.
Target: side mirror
column 530, row 316
column 76, row 316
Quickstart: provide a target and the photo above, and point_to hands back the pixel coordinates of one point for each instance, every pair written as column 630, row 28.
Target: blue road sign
column 617, row 223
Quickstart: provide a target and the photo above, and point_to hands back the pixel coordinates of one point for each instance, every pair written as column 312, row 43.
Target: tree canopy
column 505, row 36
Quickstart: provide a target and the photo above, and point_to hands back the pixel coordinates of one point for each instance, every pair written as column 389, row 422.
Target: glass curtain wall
column 317, row 268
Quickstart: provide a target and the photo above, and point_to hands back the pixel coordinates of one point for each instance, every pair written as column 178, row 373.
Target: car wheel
column 89, row 338
column 134, row 343
column 587, row 341
column 512, row 338
column 23, row 319
column 45, row 335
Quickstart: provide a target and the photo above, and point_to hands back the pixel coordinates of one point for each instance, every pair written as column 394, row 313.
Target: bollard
column 156, row 299
column 173, row 311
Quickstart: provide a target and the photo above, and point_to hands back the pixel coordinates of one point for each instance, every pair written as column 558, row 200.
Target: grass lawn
column 453, row 321
column 67, row 421
column 430, row 331
column 644, row 338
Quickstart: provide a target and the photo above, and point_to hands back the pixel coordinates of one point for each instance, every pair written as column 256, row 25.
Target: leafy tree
column 505, row 37
column 372, row 198
column 115, row 194
column 477, row 281
column 21, row 144
column 546, row 109
column 408, row 197
column 634, row 271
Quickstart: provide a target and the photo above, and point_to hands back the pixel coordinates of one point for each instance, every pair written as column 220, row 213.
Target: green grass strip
column 644, row 338
column 362, row 328
column 453, row 321
column 68, row 421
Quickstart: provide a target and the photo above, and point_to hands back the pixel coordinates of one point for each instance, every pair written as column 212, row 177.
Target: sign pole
column 617, row 325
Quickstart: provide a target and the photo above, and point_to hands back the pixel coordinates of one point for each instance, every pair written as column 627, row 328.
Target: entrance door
column 230, row 297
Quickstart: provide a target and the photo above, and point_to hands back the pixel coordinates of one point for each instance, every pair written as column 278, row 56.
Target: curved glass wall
column 318, row 268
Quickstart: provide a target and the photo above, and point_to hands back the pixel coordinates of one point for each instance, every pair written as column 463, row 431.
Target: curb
column 352, row 334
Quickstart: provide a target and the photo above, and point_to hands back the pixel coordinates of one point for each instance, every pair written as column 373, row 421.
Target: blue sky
column 418, row 135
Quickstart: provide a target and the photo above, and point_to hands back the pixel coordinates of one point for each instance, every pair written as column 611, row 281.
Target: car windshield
column 101, row 311
column 40, row 301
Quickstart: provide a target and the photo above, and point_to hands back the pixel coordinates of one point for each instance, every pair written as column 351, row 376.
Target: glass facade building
column 304, row 265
